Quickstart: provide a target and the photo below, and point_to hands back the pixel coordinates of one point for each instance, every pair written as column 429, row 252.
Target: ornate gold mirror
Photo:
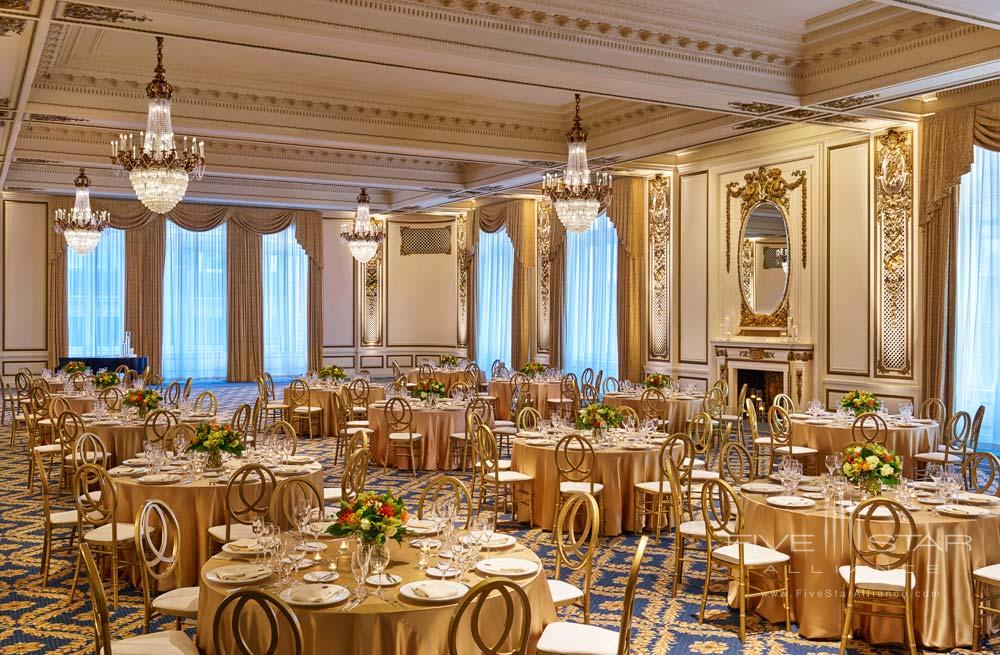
column 763, row 259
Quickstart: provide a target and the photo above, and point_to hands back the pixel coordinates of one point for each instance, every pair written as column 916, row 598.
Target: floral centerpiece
column 859, row 402
column 656, row 380
column 106, row 380
column 372, row 518
column 448, row 360
column 143, row 400
column 429, row 387
column 216, row 439
column 598, row 417
column 531, row 369
column 331, row 372
column 75, row 366
column 871, row 465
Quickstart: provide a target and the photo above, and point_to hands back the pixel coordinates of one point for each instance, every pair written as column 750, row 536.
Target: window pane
column 95, row 297
column 494, row 285
column 590, row 331
column 285, row 273
column 194, row 304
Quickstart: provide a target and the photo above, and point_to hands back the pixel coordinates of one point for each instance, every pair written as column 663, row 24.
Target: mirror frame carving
column 748, row 316
column 765, row 185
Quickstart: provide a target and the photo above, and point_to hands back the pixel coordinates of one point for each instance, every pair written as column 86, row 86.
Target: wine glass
column 488, row 519
column 935, row 473
column 833, row 463
column 360, row 561
column 379, row 562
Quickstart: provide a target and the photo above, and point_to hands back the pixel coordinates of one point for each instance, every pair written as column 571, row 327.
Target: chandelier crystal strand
column 81, row 226
column 364, row 235
column 576, row 199
column 158, row 171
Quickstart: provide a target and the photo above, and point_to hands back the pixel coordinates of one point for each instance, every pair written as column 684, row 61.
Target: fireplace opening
column 762, row 386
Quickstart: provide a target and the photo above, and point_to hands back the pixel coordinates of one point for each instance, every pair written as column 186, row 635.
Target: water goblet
column 379, row 562
column 360, row 562
column 832, row 462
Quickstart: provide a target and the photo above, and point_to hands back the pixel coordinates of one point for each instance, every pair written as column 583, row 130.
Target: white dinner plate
column 388, row 580
column 233, row 548
column 249, row 573
column 159, row 478
column 507, row 566
column 314, row 595
column 799, row 415
column 447, row 572
column 450, row 590
column 791, row 502
column 962, row 511
column 925, row 485
column 421, row 526
column 977, row 499
column 321, row 576
column 817, row 421
column 136, row 461
column 924, row 421
column 497, row 541
column 311, row 547
column 762, row 488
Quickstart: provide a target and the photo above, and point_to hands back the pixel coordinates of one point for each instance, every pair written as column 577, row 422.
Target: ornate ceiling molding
column 96, row 14
column 16, row 5
column 11, row 26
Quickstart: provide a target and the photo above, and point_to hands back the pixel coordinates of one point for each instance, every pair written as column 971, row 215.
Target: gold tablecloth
column 375, row 627
column 323, row 397
column 445, row 376
column 436, row 426
column 198, row 506
column 122, row 441
column 905, row 442
column 679, row 410
column 540, row 394
column 818, row 542
column 617, row 469
column 79, row 404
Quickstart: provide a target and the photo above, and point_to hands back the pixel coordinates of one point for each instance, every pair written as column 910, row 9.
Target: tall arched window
column 285, row 277
column 494, row 285
column 95, row 298
column 590, row 327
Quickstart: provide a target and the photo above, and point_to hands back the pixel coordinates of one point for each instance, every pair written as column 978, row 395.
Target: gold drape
column 246, row 307
column 946, row 147
column 518, row 216
column 144, row 246
column 57, row 322
column 557, row 289
column 627, row 212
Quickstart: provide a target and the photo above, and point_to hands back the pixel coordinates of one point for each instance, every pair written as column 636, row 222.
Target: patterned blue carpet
column 41, row 620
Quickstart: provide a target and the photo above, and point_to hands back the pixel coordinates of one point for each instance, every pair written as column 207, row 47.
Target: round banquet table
column 123, row 441
column 446, row 376
column 435, row 424
column 198, row 506
column 680, row 409
column 616, row 468
column 375, row 626
column 541, row 391
column 818, row 542
column 78, row 403
column 832, row 438
column 322, row 396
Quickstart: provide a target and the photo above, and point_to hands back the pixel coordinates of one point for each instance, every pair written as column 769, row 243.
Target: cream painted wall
column 339, row 290
column 24, row 282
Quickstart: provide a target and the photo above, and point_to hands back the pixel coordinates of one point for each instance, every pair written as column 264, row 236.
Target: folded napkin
column 291, row 469
column 434, row 590
column 299, row 459
column 313, row 593
column 509, row 568
column 158, row 477
column 121, row 470
column 238, row 572
column 249, row 544
column 420, row 525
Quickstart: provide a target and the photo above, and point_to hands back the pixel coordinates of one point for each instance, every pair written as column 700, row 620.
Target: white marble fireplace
column 792, row 361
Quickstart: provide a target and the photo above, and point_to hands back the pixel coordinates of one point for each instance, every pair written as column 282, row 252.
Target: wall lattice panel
column 544, row 231
column 425, row 241
column 659, row 269
column 371, row 301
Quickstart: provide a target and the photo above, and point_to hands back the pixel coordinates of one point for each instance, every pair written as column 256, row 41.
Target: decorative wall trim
column 761, row 186
column 659, row 269
column 463, row 262
column 425, row 240
column 371, row 300
column 97, row 14
column 543, row 218
column 893, row 218
column 10, row 26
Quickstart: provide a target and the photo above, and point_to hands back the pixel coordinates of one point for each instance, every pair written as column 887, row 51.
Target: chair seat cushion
column 236, row 531
column 166, row 642
column 730, row 417
column 332, row 493
column 68, row 517
column 182, row 601
column 307, row 409
column 559, row 401
column 457, row 436
column 795, row 450
column 762, row 441
column 655, row 487
column 405, row 436
column 103, row 534
column 563, row 638
column 358, row 409
column 990, row 573
column 939, row 457
column 361, row 428
column 563, row 593
column 753, row 555
column 510, row 476
column 698, row 463
column 504, row 424
column 697, row 529
column 90, row 457
column 277, row 406
column 502, row 464
column 865, row 577
column 357, row 424
column 698, row 474
column 508, row 430
column 48, row 448
column 579, row 487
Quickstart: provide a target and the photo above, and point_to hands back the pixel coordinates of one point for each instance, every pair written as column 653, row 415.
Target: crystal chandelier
column 158, row 171
column 577, row 200
column 364, row 235
column 81, row 226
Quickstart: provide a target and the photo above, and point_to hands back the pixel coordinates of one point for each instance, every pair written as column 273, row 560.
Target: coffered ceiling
column 431, row 102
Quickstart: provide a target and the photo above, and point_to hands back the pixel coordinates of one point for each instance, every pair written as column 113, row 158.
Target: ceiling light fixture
column 81, row 226
column 577, row 200
column 364, row 235
column 159, row 173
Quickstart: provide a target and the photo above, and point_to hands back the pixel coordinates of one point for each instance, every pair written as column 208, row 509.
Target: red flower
column 386, row 510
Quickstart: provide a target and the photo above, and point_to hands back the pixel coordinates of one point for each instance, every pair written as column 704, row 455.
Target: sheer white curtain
column 95, row 297
column 194, row 304
column 285, row 278
column 494, row 286
column 977, row 301
column 590, row 326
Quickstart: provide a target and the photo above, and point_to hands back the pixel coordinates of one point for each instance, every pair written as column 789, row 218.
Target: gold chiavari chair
column 611, row 385
column 735, row 463
column 445, row 486
column 781, row 439
column 158, row 545
column 248, row 496
column 869, row 428
column 158, row 424
column 34, row 412
column 206, row 403
column 629, row 412
column 742, row 561
column 785, row 402
column 520, row 397
column 568, row 403
column 88, row 448
column 588, row 395
column 362, row 439
column 425, row 372
column 973, row 440
column 653, row 407
column 477, row 412
column 399, row 419
column 563, row 637
column 272, row 408
column 111, row 398
column 723, row 386
column 650, row 496
column 186, row 391
column 41, row 382
column 474, row 376
column 46, row 410
column 527, row 420
column 396, row 372
column 22, row 401
column 352, row 482
column 979, row 473
column 495, row 368
column 934, row 409
column 576, row 534
column 459, row 389
column 699, row 429
column 587, row 377
column 689, row 524
column 122, row 369
column 77, row 380
column 289, row 494
column 760, row 446
column 955, row 440
column 505, row 488
column 168, row 642
column 575, row 460
column 880, row 574
column 598, row 381
column 714, row 404
column 256, row 420
column 98, row 525
column 52, row 521
column 503, row 631
column 274, row 625
column 172, row 395
column 241, row 420
column 283, row 431
column 181, row 436
column 69, row 429
column 302, row 409
column 8, row 402
column 359, row 392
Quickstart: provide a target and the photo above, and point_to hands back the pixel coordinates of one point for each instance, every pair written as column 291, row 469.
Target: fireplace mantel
column 793, row 360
